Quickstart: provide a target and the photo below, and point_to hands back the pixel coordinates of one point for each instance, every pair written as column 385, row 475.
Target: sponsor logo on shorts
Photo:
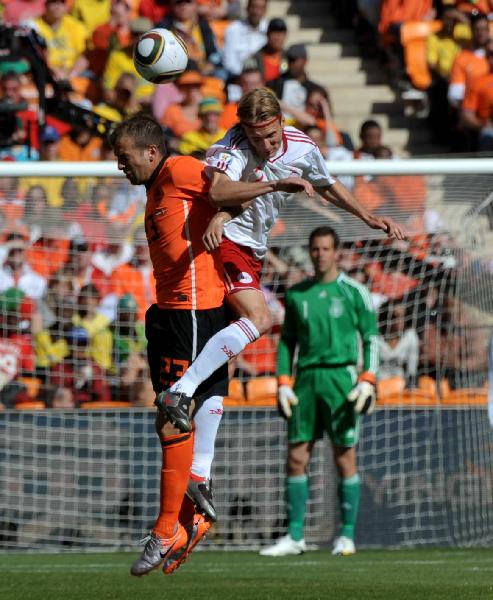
column 216, row 411
column 244, row 277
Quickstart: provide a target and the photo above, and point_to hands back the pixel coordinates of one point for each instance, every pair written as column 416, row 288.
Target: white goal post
column 88, row 479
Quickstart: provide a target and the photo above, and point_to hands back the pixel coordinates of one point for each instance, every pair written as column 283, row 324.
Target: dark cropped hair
column 143, row 129
column 322, row 232
column 368, row 125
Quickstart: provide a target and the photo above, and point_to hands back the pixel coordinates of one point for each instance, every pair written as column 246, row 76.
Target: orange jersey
column 177, row 214
column 479, row 98
column 468, row 67
column 400, row 11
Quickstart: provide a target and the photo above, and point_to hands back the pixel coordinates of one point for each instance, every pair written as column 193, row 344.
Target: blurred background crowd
column 75, row 275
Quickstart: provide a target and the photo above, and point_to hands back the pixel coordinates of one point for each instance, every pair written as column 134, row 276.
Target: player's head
column 139, row 145
column 323, row 245
column 260, row 116
column 370, row 135
column 480, row 29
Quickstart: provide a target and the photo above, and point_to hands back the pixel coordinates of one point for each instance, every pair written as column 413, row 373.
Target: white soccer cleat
column 343, row 546
column 284, row 546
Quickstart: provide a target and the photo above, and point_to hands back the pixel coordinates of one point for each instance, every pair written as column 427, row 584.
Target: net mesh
column 74, row 285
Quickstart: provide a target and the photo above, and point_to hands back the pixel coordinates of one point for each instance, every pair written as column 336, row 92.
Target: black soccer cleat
column 175, row 406
column 200, row 492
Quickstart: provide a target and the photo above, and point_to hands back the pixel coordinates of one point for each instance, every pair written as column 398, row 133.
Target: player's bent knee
column 173, row 437
column 261, row 319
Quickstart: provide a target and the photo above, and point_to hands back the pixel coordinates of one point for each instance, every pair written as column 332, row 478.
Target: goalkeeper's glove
column 364, row 394
column 285, row 399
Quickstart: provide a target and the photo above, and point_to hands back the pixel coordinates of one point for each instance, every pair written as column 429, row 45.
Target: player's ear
column 151, row 152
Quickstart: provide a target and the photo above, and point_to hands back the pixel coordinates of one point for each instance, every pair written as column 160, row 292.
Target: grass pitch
column 369, row 575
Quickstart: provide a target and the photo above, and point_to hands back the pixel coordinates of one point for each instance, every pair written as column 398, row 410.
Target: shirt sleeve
column 368, row 330
column 230, row 161
column 432, row 50
column 287, row 342
column 315, row 169
column 232, row 62
column 413, row 354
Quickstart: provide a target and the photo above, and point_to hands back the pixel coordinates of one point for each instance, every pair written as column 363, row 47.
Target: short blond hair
column 258, row 106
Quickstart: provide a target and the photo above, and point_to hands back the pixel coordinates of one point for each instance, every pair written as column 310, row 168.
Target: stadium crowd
column 75, row 274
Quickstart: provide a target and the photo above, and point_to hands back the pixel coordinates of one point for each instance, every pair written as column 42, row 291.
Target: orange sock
column 187, row 511
column 177, row 461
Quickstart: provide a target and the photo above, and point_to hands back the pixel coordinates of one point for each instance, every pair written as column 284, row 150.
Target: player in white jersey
column 257, row 165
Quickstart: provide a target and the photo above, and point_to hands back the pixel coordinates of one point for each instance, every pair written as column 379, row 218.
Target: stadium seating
column 103, row 405
column 466, row 396
column 236, row 394
column 32, row 385
column 261, row 391
column 32, row 405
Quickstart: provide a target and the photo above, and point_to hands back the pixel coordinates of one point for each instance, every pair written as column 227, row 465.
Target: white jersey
column 298, row 157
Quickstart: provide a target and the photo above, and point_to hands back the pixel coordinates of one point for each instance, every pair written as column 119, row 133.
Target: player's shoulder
column 301, row 287
column 181, row 165
column 233, row 139
column 297, row 144
column 355, row 288
column 185, row 170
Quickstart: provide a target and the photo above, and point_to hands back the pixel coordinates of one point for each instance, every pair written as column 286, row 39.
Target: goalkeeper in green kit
column 326, row 317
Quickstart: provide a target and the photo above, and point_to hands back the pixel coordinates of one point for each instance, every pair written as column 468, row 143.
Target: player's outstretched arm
column 340, row 196
column 226, row 192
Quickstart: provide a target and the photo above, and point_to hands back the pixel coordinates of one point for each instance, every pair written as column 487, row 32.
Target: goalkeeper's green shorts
column 323, row 407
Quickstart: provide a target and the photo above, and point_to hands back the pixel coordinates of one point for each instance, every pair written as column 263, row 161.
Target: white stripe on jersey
column 298, row 156
column 191, row 256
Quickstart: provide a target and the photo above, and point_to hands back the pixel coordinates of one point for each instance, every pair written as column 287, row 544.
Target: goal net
column 80, row 460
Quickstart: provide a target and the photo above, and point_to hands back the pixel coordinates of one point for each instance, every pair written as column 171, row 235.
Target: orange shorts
column 241, row 269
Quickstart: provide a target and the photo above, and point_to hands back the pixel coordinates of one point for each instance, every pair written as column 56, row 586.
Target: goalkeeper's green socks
column 349, row 494
column 296, row 498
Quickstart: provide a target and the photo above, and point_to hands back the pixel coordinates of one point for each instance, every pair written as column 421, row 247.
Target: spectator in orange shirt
column 155, row 10
column 477, row 108
column 11, row 198
column 16, row 11
column 136, row 276
column 113, row 35
column 271, row 60
column 49, row 252
column 184, row 116
column 471, row 64
column 250, row 79
column 79, row 145
column 393, row 13
column 184, row 19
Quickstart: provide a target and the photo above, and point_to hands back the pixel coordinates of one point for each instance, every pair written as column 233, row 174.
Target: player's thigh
column 339, row 418
column 304, row 426
column 242, row 270
column 207, row 324
column 175, row 338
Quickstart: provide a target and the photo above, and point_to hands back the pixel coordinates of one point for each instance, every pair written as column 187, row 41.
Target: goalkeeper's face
column 324, row 256
column 138, row 164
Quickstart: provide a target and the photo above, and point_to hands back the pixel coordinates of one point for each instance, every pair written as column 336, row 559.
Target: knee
column 261, row 319
column 296, row 466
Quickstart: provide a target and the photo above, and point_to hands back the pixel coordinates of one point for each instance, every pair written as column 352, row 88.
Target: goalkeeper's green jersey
column 326, row 321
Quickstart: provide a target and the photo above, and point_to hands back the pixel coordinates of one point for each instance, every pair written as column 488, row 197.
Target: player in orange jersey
column 189, row 310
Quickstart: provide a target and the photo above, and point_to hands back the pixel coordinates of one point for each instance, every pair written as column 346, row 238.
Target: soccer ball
column 160, row 55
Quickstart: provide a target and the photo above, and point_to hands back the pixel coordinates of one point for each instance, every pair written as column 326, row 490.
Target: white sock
column 206, row 422
column 222, row 346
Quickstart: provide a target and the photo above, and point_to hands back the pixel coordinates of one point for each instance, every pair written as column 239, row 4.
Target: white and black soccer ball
column 160, row 56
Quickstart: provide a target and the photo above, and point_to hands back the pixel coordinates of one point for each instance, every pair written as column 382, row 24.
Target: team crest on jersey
column 336, row 308
column 244, row 277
